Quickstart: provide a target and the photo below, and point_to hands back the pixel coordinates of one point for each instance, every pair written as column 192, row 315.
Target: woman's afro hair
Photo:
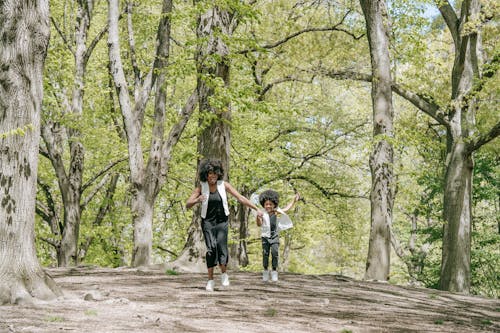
column 270, row 195
column 209, row 165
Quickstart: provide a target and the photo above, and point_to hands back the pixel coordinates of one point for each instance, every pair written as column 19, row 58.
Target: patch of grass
column 171, row 272
column 438, row 321
column 271, row 312
column 433, row 296
column 54, row 319
column 90, row 312
column 486, row 322
column 345, row 330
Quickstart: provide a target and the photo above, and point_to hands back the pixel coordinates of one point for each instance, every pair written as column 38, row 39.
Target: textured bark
column 455, row 268
column 24, row 36
column 146, row 179
column 56, row 137
column 381, row 159
column 214, row 139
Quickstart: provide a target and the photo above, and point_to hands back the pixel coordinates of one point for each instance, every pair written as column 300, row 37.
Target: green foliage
column 291, row 130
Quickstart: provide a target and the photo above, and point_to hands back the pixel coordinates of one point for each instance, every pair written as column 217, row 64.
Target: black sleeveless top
column 215, row 209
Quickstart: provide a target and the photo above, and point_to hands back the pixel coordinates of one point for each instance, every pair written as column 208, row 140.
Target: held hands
column 201, row 198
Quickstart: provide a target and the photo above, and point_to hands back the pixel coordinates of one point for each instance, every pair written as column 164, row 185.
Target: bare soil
column 148, row 300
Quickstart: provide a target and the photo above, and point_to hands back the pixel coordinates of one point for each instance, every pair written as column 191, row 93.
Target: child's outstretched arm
column 291, row 203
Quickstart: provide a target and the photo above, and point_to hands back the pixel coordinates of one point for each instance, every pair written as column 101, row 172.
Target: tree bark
column 24, row 36
column 56, row 136
column 146, row 180
column 214, row 139
column 457, row 209
column 381, row 159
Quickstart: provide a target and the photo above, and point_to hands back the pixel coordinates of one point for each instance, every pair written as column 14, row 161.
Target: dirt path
column 129, row 300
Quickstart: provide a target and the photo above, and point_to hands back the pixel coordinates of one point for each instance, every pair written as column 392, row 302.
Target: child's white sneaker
column 274, row 276
column 224, row 279
column 265, row 275
column 210, row 285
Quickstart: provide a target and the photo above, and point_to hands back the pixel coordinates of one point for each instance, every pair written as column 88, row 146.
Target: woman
column 214, row 216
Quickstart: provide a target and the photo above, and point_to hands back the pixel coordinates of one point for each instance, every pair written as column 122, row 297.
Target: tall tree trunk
column 70, row 180
column 24, row 36
column 457, row 209
column 214, row 140
column 146, row 180
column 455, row 269
column 381, row 159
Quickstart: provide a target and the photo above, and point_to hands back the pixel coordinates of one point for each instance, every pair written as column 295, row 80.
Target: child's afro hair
column 270, row 195
column 209, row 165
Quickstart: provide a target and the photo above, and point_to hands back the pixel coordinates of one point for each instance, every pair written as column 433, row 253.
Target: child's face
column 269, row 206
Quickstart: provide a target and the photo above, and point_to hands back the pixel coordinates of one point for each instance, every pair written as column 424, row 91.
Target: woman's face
column 269, row 206
column 212, row 177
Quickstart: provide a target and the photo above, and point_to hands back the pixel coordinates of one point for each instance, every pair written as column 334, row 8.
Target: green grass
column 271, row 312
column 54, row 319
column 171, row 272
column 438, row 322
column 90, row 312
column 433, row 296
column 486, row 322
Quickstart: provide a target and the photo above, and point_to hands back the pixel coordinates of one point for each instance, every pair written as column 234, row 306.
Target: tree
column 146, row 178
column 61, row 136
column 381, row 159
column 462, row 141
column 463, row 135
column 214, row 140
column 24, row 32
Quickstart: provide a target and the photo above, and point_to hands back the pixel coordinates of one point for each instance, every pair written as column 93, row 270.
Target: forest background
column 300, row 120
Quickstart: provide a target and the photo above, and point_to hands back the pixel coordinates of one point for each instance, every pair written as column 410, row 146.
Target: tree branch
column 484, row 139
column 96, row 189
column 424, row 103
column 300, row 32
column 63, row 37
column 102, row 172
column 451, row 19
column 327, row 193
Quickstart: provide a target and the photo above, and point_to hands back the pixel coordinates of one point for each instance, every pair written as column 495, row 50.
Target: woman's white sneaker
column 274, row 276
column 224, row 280
column 265, row 275
column 210, row 285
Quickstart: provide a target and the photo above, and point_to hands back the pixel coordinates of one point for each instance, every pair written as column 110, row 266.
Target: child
column 272, row 222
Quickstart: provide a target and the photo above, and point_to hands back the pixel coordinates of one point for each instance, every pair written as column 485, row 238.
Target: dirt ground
column 131, row 300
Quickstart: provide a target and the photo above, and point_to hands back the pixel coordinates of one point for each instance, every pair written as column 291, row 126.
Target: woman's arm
column 196, row 197
column 258, row 220
column 291, row 203
column 240, row 198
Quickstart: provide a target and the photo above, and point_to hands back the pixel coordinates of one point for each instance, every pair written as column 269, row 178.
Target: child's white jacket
column 282, row 220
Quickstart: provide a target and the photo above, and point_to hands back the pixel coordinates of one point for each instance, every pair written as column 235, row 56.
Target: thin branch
column 102, row 172
column 96, row 189
column 63, row 37
column 327, row 193
column 484, row 139
column 300, row 32
column 166, row 250
column 288, row 78
column 54, row 243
